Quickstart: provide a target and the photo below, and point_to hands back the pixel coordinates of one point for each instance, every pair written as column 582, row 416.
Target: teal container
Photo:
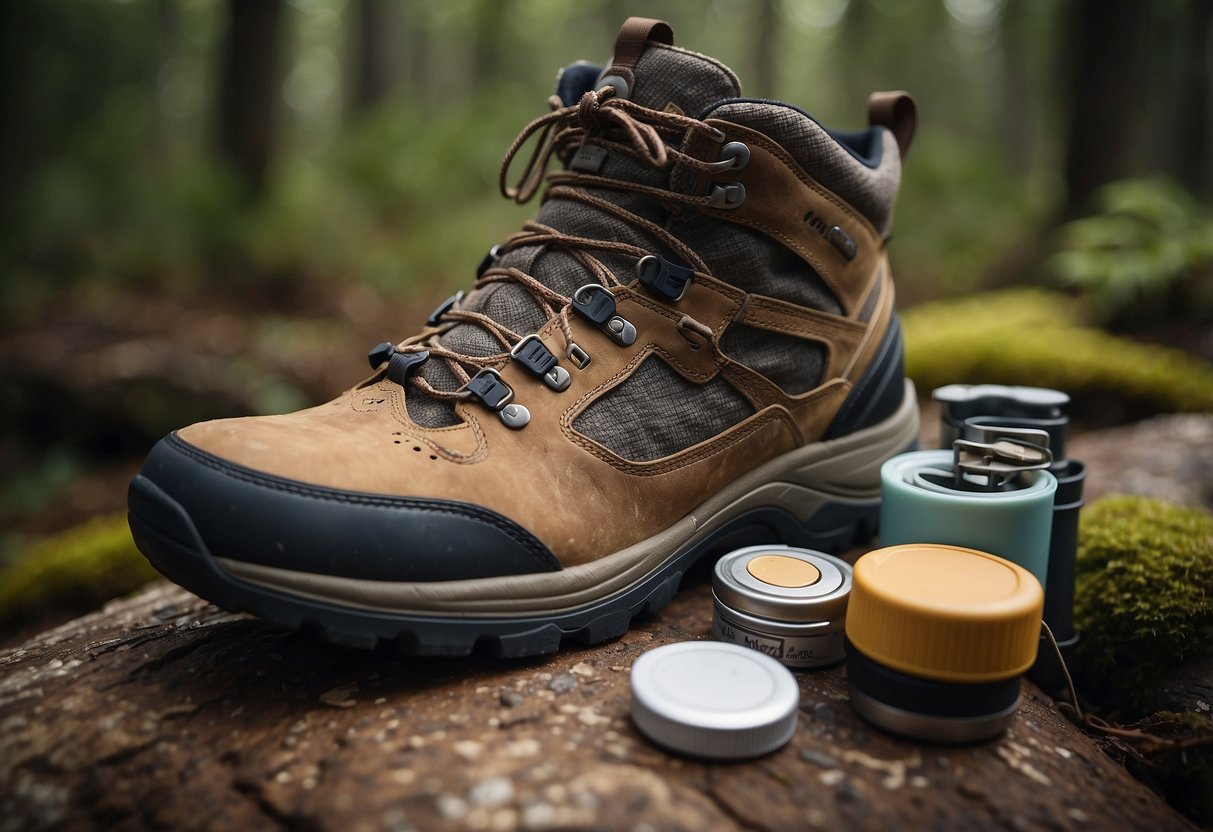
column 919, row 506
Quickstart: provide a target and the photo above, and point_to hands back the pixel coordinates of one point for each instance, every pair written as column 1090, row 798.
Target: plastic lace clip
column 597, row 305
column 404, row 363
column 435, row 317
column 489, row 261
column 727, row 195
column 533, row 354
column 498, row 396
column 589, row 158
column 663, row 278
column 380, row 354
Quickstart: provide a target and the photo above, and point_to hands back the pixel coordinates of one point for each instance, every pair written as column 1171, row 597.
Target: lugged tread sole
column 165, row 534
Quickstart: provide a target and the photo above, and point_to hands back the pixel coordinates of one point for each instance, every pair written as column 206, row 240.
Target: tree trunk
column 378, row 53
column 1106, row 74
column 766, row 49
column 162, row 711
column 249, row 90
column 490, row 41
column 1194, row 104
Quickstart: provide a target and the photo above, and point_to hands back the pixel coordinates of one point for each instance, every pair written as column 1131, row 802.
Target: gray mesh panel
column 752, row 261
column 432, row 413
column 870, row 191
column 656, row 412
column 794, row 364
column 667, row 74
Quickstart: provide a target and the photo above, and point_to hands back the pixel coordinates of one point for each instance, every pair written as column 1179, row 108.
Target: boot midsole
column 842, row 471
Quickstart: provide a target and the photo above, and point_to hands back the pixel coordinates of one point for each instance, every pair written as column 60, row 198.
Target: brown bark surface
column 161, row 711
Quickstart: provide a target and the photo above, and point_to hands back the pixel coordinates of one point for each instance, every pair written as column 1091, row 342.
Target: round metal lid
column 714, row 700
column 783, row 583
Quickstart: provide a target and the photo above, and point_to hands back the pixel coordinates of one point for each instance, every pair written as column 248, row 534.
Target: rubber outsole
column 166, row 535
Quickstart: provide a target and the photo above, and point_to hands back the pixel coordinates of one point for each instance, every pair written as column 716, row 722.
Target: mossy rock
column 1036, row 337
column 72, row 572
column 1143, row 598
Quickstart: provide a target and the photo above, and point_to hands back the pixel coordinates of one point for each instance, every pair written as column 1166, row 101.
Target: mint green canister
column 922, row 502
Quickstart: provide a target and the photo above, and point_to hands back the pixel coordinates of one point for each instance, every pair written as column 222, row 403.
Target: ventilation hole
column 433, row 457
column 794, row 364
column 417, row 449
column 395, row 433
column 395, row 441
column 656, row 412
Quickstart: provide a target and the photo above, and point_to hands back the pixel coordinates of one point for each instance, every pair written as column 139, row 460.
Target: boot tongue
column 660, row 76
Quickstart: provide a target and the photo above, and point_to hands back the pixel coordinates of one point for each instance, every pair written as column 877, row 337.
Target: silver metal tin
column 716, row 701
column 800, row 626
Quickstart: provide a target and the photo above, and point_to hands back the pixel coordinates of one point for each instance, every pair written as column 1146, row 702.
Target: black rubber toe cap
column 245, row 515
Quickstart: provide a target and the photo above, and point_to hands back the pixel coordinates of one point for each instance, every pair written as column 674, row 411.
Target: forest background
column 214, row 208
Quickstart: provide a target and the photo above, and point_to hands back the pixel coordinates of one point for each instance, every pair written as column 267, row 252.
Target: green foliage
column 1149, row 237
column 73, row 572
column 401, row 199
column 962, row 209
column 1034, row 337
column 1143, row 596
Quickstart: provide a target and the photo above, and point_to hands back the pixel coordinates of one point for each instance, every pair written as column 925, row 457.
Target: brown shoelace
column 616, row 125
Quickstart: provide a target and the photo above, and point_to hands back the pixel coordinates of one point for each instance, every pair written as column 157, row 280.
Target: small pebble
column 824, row 714
column 847, row 793
column 493, row 791
column 562, row 683
column 818, row 758
column 512, row 699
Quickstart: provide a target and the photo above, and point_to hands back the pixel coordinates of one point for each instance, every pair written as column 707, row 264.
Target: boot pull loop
column 634, row 37
column 896, row 111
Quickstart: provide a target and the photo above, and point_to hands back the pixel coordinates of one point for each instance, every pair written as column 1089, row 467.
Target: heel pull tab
column 634, row 37
column 896, row 111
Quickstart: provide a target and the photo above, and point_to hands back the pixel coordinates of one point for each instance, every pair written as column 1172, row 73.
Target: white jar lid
column 714, row 700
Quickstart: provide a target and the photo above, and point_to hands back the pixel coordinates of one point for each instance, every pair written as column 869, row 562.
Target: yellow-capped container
column 937, row 639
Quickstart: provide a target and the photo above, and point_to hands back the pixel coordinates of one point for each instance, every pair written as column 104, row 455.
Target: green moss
column 75, row 571
column 1143, row 597
column 1035, row 337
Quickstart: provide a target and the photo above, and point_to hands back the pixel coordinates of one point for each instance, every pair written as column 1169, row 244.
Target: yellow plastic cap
column 945, row 613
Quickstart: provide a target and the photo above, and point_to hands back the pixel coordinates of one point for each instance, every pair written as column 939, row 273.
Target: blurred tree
column 1194, row 154
column 1106, row 78
column 766, row 48
column 1017, row 115
column 249, row 90
column 168, row 41
column 379, row 52
column 491, row 43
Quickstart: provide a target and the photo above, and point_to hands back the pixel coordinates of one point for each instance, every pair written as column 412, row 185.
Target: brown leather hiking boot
column 692, row 348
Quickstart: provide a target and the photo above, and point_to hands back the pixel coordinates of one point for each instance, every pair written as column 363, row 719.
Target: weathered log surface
column 161, row 711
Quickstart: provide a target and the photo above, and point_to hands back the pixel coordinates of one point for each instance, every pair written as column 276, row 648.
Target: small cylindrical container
column 920, row 505
column 937, row 639
column 788, row 603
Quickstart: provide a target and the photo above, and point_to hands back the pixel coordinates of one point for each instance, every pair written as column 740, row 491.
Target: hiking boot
column 691, row 348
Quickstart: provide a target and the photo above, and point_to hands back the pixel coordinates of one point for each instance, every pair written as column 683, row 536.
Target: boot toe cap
column 239, row 513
